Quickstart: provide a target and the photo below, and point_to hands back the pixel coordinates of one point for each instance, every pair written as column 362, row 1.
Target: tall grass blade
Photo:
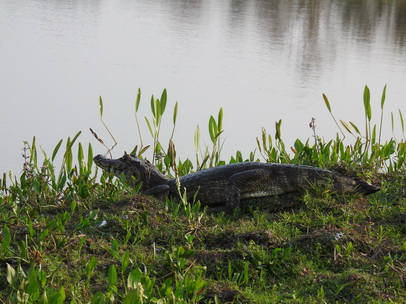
column 278, row 130
column 137, row 100
column 81, row 155
column 89, row 158
column 383, row 97
column 175, row 113
column 158, row 112
column 402, row 123
column 68, row 156
column 149, row 127
column 137, row 104
column 382, row 105
column 56, row 149
column 153, row 106
column 327, row 103
column 355, row 128
column 33, row 151
column 373, row 138
column 100, row 106
column 196, row 140
column 347, row 127
column 143, row 150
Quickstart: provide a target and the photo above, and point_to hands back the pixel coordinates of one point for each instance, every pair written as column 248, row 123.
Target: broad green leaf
column 220, row 120
column 44, row 298
column 298, row 145
column 98, row 298
column 327, row 102
column 125, row 260
column 90, row 266
column 59, row 297
column 133, row 278
column 212, row 128
column 133, row 297
column 42, row 277
column 367, row 103
column 114, row 247
column 163, row 102
column 33, row 285
column 112, row 273
column 6, row 241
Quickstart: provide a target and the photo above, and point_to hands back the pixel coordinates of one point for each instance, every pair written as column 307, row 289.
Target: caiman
column 229, row 184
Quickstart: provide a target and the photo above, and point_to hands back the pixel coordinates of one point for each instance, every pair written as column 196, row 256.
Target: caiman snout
column 365, row 188
column 97, row 158
column 107, row 163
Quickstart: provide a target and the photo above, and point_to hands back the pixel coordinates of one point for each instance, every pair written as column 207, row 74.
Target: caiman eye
column 126, row 157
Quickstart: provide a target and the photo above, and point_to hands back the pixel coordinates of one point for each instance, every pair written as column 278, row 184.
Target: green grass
column 73, row 234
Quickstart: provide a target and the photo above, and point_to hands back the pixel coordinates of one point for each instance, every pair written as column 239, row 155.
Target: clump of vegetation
column 73, row 234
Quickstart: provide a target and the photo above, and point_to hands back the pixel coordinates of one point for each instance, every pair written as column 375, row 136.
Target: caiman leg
column 238, row 181
column 160, row 192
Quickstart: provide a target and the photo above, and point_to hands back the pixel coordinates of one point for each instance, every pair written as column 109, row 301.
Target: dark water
column 260, row 60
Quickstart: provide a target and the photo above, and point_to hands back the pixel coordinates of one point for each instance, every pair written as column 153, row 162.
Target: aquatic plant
column 73, row 234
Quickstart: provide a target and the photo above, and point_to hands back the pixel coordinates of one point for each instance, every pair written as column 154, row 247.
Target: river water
column 260, row 60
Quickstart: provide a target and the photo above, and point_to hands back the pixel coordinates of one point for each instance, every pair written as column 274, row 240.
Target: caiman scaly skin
column 229, row 184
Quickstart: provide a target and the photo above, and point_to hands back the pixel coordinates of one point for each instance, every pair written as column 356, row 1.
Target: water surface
column 260, row 60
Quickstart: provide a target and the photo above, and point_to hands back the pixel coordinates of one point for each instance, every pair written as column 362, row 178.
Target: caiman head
column 135, row 170
column 345, row 184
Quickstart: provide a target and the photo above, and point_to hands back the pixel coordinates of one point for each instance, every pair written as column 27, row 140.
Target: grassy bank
column 73, row 234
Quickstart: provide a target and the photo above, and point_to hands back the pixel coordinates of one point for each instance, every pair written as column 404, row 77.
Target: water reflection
column 261, row 60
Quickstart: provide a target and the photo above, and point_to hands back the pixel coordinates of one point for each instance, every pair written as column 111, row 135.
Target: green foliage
column 75, row 235
column 366, row 151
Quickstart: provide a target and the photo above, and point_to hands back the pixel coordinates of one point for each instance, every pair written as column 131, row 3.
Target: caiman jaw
column 109, row 164
column 365, row 188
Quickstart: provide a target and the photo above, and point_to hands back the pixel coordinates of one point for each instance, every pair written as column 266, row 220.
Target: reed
column 73, row 234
